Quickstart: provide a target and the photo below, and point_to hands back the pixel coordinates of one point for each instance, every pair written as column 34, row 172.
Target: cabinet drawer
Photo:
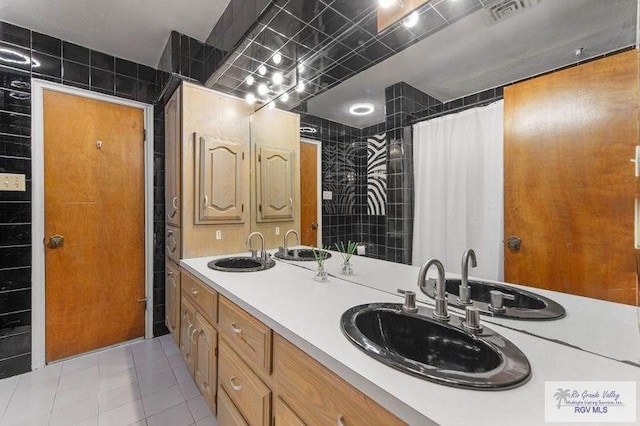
column 202, row 295
column 317, row 396
column 248, row 336
column 244, row 388
column 284, row 416
column 172, row 243
column 228, row 414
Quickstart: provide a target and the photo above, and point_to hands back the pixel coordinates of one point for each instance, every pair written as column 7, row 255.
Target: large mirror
column 452, row 54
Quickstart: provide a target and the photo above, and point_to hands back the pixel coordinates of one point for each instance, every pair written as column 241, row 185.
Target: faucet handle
column 472, row 319
column 409, row 301
column 498, row 298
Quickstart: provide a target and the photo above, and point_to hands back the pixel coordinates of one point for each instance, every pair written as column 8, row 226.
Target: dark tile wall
column 30, row 54
column 402, row 101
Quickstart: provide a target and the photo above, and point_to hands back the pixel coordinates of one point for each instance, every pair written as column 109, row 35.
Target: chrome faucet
column 286, row 237
column 465, row 292
column 263, row 254
column 441, row 295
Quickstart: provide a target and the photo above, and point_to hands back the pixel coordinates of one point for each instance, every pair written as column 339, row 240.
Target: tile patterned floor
column 144, row 383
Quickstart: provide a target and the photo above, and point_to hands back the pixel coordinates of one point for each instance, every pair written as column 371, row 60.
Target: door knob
column 513, row 243
column 314, row 225
column 56, row 241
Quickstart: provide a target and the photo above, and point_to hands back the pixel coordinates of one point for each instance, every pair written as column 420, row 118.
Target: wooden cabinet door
column 172, row 142
column 206, row 361
column 223, row 174
column 172, row 299
column 284, row 416
column 275, row 184
column 172, row 243
column 228, row 414
column 187, row 331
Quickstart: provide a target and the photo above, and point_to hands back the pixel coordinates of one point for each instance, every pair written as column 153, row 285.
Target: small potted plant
column 320, row 256
column 346, row 252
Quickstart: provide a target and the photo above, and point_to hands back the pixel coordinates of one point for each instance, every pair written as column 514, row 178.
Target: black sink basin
column 525, row 306
column 299, row 254
column 443, row 352
column 241, row 264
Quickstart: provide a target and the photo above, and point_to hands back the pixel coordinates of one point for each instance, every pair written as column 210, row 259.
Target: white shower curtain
column 458, row 162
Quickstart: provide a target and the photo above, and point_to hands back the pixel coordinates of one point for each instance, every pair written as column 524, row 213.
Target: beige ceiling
column 132, row 29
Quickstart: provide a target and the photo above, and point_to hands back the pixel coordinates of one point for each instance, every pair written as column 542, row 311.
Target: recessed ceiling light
column 411, row 20
column 300, row 67
column 262, row 70
column 385, row 4
column 263, row 89
column 284, row 97
column 307, row 129
column 300, row 87
column 277, row 78
column 277, row 58
column 361, row 109
column 250, row 80
column 250, row 98
column 272, row 105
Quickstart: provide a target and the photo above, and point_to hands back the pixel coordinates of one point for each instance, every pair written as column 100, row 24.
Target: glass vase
column 321, row 274
column 346, row 268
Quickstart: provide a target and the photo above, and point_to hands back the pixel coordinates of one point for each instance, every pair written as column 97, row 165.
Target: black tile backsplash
column 41, row 56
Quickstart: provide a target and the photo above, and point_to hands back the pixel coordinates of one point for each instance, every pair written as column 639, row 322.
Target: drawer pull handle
column 340, row 420
column 235, row 329
column 194, row 292
column 235, row 387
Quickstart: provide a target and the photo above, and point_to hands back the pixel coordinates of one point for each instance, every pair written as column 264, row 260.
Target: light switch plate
column 12, row 182
column 277, row 230
column 218, row 235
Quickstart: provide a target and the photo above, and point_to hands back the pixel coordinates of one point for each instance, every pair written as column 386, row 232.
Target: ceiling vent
column 499, row 10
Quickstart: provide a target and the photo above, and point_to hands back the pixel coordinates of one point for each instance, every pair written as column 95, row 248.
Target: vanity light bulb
column 300, row 87
column 250, row 80
column 277, row 78
column 284, row 97
column 263, row 89
column 262, row 70
column 411, row 20
column 250, row 98
column 385, row 4
column 277, row 58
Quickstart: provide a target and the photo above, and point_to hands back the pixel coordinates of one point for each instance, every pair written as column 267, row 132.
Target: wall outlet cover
column 12, row 182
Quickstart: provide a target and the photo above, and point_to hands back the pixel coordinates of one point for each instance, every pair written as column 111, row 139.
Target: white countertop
column 307, row 313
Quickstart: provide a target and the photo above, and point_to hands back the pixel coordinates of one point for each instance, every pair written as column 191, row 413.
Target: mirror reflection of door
column 94, row 224
column 309, row 220
column 569, row 184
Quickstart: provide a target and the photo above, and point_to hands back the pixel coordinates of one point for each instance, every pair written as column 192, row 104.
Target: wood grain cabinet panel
column 172, row 299
column 318, row 396
column 248, row 336
column 275, row 184
column 284, row 416
column 172, row 140
column 223, row 174
column 187, row 331
column 248, row 393
column 201, row 295
column 228, row 414
column 206, row 365
column 172, row 243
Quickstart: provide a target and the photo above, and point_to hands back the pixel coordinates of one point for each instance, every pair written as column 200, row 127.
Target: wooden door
column 206, row 360
column 569, row 184
column 223, row 173
column 275, row 184
column 172, row 299
column 309, row 194
column 172, row 139
column 94, row 198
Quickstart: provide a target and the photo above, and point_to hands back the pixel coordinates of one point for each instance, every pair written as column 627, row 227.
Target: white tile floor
column 143, row 383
